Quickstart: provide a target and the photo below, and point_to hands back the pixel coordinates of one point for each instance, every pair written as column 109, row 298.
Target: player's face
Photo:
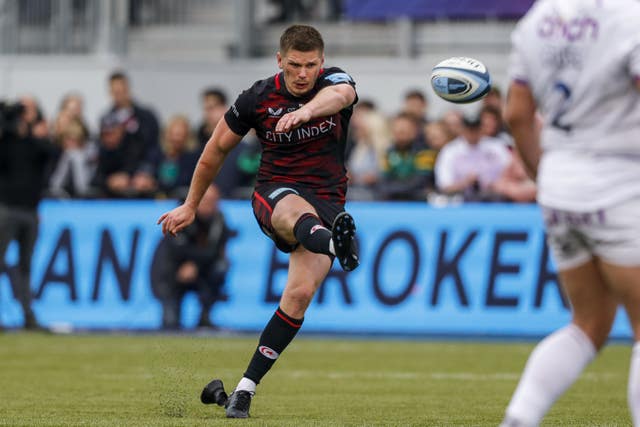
column 301, row 69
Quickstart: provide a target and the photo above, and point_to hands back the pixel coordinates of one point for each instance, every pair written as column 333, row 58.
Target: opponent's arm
column 222, row 141
column 520, row 116
column 328, row 101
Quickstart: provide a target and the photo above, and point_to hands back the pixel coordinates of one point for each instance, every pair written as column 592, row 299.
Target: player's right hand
column 293, row 120
column 177, row 219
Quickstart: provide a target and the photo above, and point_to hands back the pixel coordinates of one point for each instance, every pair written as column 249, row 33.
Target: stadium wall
column 472, row 270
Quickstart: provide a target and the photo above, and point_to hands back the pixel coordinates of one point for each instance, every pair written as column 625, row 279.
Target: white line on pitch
column 438, row 376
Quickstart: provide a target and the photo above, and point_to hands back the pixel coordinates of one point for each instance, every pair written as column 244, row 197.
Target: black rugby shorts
column 266, row 196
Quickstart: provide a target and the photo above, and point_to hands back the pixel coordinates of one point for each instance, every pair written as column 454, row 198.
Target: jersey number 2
column 562, row 98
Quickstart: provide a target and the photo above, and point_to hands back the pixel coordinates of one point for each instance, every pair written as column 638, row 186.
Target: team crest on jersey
column 268, row 352
column 274, row 113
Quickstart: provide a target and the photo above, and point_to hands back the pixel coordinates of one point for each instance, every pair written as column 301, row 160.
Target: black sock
column 275, row 337
column 312, row 235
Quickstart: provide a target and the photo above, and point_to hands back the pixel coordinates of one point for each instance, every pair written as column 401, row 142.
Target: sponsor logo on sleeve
column 339, row 78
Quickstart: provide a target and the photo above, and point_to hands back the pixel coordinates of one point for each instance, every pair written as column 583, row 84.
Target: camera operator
column 25, row 152
column 194, row 260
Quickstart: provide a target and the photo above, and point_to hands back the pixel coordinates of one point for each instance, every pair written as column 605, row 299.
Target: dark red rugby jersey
column 311, row 155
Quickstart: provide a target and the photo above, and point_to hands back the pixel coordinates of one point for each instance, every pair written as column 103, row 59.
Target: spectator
column 247, row 165
column 214, row 105
column 236, row 177
column 71, row 109
column 407, row 166
column 471, row 163
column 491, row 124
column 493, row 99
column 371, row 138
column 438, row 134
column 179, row 158
column 454, row 119
column 514, row 184
column 363, row 106
column 24, row 157
column 126, row 160
column 238, row 173
column 33, row 117
column 416, row 104
column 194, row 260
column 114, row 162
column 75, row 165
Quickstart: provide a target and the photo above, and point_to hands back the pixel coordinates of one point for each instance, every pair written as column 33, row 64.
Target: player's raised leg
column 307, row 270
column 295, row 220
column 558, row 360
column 296, row 214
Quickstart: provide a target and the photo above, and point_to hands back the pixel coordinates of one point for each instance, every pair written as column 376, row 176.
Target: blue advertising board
column 470, row 270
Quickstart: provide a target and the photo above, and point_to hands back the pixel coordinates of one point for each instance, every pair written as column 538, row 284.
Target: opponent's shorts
column 266, row 196
column 611, row 234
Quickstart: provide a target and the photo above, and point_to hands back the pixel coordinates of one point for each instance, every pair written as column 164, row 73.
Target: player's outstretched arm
column 328, row 101
column 219, row 145
column 520, row 116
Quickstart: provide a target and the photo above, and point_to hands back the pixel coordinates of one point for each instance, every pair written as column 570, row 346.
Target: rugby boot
column 214, row 393
column 344, row 241
column 238, row 404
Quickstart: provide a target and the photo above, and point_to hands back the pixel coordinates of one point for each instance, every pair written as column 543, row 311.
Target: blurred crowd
column 408, row 156
column 452, row 158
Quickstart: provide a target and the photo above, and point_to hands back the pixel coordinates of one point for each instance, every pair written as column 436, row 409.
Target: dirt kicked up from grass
column 155, row 380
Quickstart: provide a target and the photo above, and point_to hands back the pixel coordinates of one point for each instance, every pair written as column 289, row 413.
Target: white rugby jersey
column 581, row 58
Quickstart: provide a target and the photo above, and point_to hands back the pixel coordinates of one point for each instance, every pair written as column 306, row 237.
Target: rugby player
column 301, row 117
column 577, row 62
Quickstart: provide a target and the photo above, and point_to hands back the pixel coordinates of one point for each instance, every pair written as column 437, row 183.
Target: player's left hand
column 293, row 119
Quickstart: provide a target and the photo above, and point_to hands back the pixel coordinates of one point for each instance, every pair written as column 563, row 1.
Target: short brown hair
column 301, row 37
column 118, row 75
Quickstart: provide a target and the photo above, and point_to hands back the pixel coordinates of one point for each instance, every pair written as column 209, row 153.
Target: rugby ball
column 460, row 80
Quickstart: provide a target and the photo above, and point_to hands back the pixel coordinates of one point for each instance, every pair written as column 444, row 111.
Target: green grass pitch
column 155, row 380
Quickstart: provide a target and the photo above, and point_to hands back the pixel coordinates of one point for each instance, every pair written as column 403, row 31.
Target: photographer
column 25, row 153
column 194, row 260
